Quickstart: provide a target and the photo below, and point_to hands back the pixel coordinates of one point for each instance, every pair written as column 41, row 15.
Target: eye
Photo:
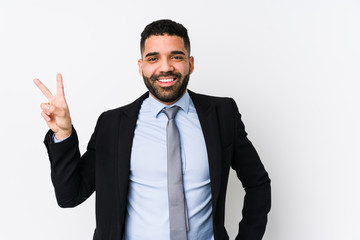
column 152, row 59
column 178, row 57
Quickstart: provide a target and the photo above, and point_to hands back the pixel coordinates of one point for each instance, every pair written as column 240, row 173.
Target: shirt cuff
column 58, row 141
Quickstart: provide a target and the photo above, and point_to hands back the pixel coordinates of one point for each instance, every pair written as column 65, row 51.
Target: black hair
column 162, row 27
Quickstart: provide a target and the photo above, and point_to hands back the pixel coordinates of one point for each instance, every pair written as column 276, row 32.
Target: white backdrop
column 292, row 67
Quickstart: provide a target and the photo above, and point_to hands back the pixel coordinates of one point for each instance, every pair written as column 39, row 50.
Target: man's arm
column 255, row 179
column 73, row 176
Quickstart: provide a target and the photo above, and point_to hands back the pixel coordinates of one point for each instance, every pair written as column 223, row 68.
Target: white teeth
column 166, row 80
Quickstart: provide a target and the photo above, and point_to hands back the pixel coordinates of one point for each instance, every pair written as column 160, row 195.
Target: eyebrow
column 156, row 53
column 178, row 52
column 151, row 54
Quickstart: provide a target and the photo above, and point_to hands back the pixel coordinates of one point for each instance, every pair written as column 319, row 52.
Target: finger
column 60, row 85
column 45, row 108
column 57, row 111
column 45, row 116
column 43, row 89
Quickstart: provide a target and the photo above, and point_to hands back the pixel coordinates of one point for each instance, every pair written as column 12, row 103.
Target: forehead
column 163, row 44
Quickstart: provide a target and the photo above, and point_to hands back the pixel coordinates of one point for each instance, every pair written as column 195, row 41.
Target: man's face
column 166, row 67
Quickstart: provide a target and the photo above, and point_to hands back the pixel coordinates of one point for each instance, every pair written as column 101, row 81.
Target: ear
column 191, row 62
column 140, row 66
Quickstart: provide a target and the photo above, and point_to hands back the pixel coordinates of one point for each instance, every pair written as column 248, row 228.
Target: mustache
column 166, row 74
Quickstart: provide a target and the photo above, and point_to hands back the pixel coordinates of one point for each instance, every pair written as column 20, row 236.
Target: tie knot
column 171, row 112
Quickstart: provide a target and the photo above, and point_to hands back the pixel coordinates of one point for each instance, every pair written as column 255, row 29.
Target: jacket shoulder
column 214, row 100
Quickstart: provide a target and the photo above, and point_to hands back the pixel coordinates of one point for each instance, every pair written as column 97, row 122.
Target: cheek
column 147, row 70
column 183, row 68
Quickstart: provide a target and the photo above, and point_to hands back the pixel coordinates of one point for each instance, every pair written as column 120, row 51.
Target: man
column 156, row 178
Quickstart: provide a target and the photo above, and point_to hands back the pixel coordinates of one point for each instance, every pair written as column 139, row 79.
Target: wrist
column 60, row 135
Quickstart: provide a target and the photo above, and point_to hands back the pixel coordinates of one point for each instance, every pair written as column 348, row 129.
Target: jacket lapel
column 208, row 120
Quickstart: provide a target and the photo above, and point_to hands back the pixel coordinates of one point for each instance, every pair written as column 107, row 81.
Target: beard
column 167, row 94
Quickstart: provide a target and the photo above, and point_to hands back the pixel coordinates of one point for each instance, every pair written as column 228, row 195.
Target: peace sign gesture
column 56, row 112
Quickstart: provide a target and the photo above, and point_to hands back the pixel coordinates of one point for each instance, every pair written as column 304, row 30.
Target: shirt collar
column 157, row 106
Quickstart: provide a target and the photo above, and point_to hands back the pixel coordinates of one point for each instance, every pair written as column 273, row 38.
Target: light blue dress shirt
column 147, row 208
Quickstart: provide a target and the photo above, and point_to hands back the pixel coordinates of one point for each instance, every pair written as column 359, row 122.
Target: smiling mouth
column 166, row 80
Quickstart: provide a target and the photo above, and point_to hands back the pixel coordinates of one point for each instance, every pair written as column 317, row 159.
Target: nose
column 166, row 65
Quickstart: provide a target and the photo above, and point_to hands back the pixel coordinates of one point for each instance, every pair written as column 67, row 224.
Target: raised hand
column 56, row 112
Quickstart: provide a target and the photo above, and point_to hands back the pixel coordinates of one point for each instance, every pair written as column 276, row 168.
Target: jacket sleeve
column 256, row 182
column 72, row 175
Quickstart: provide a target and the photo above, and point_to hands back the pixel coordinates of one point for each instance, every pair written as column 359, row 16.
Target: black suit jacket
column 105, row 167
